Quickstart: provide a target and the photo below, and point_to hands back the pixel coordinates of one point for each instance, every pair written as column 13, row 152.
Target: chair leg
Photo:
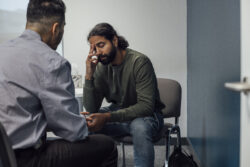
column 173, row 130
column 123, row 155
column 178, row 132
column 168, row 139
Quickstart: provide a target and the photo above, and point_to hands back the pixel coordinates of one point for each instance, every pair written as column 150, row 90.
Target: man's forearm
column 88, row 77
column 91, row 98
column 132, row 112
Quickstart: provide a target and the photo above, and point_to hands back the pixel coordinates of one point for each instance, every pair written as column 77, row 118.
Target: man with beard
column 126, row 79
column 37, row 92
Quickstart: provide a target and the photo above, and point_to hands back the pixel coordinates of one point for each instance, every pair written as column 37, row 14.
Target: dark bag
column 179, row 158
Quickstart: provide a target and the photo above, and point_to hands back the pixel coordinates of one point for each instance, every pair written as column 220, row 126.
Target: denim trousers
column 143, row 130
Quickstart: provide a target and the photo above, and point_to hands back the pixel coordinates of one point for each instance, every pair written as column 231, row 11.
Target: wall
column 156, row 28
column 245, row 72
column 213, row 58
column 13, row 20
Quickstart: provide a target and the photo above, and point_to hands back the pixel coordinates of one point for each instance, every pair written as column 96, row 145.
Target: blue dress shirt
column 37, row 92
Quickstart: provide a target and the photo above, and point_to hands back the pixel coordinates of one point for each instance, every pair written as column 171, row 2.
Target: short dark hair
column 108, row 32
column 46, row 12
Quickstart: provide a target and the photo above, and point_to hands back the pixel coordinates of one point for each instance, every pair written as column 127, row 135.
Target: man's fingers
column 90, row 124
column 84, row 113
column 92, row 46
column 92, row 116
column 89, row 119
column 94, row 59
column 91, row 50
column 90, row 56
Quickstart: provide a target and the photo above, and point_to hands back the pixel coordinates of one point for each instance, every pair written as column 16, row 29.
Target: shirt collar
column 30, row 34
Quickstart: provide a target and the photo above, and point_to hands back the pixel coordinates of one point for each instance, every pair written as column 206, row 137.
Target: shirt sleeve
column 93, row 94
column 59, row 102
column 146, row 91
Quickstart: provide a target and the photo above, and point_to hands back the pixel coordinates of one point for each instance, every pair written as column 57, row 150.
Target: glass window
column 13, row 20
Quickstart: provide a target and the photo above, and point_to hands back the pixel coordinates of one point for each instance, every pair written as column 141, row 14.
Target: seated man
column 127, row 80
column 37, row 92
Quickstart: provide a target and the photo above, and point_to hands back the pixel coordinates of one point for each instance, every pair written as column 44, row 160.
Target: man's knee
column 109, row 151
column 140, row 128
column 110, row 144
column 107, row 143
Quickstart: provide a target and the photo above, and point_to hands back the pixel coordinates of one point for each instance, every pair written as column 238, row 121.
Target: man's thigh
column 138, row 125
column 151, row 124
column 60, row 153
column 115, row 129
column 144, row 127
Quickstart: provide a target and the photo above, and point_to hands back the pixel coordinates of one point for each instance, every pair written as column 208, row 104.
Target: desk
column 78, row 95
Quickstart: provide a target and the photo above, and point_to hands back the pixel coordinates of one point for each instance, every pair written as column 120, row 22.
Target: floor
column 160, row 153
column 159, row 156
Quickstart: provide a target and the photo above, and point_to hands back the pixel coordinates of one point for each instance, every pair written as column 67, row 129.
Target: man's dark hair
column 46, row 12
column 108, row 32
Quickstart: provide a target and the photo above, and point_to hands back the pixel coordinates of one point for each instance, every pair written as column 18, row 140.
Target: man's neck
column 120, row 55
column 34, row 28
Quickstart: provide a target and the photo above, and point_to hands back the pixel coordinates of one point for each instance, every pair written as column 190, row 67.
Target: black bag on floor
column 180, row 158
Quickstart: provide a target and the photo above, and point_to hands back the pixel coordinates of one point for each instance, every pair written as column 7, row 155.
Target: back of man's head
column 43, row 13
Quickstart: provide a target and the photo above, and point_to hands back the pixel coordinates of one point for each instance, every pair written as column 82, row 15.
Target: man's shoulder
column 54, row 60
column 46, row 57
column 136, row 57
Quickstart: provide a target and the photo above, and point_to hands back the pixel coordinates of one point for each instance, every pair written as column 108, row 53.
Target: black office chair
column 170, row 94
column 7, row 156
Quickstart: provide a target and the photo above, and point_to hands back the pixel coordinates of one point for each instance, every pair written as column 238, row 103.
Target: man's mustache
column 101, row 56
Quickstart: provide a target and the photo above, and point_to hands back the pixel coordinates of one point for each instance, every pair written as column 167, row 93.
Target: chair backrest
column 170, row 94
column 6, row 152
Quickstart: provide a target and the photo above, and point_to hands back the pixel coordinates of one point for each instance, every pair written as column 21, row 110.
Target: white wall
column 156, row 28
column 245, row 72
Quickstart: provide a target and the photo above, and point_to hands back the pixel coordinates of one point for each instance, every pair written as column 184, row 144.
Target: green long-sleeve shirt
column 131, row 85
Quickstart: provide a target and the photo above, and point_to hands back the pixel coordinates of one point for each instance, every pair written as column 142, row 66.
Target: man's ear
column 55, row 28
column 115, row 41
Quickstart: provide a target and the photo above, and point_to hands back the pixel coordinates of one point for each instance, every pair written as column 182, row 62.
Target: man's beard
column 109, row 57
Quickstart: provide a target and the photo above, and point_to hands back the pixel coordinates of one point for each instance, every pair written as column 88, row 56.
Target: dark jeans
column 95, row 151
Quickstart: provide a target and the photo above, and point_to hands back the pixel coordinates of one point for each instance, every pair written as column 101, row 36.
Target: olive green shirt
column 131, row 85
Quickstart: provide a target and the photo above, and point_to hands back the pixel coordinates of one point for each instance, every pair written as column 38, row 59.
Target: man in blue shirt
column 37, row 92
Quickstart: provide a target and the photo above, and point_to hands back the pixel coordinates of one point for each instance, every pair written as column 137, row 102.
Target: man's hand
column 97, row 120
column 85, row 114
column 91, row 62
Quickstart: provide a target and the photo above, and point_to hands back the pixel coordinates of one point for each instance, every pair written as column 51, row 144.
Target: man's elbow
column 148, row 109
